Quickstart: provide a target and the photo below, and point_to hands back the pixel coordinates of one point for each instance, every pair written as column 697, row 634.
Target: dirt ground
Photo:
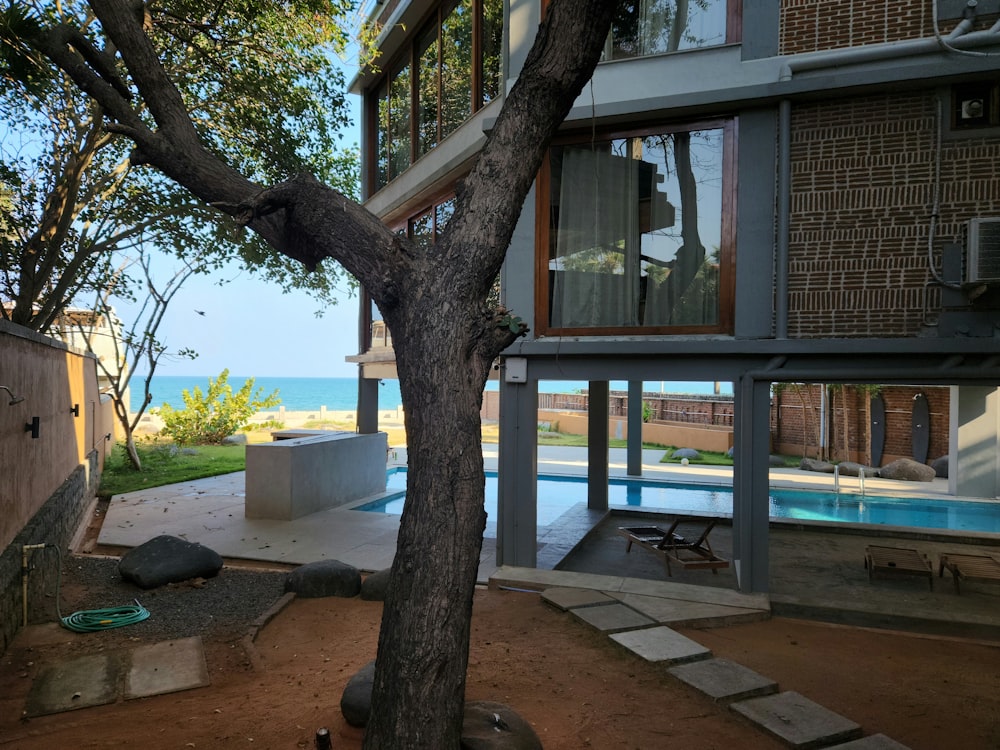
column 576, row 687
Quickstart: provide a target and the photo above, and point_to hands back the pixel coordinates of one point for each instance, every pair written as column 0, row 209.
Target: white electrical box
column 515, row 370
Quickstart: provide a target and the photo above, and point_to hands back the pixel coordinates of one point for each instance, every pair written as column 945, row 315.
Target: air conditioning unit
column 983, row 255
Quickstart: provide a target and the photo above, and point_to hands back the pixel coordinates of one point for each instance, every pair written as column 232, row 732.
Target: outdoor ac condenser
column 983, row 256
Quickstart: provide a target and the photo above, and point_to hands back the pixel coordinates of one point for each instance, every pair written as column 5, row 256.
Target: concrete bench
column 293, row 477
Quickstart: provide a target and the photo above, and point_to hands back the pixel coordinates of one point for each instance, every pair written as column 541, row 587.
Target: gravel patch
column 222, row 608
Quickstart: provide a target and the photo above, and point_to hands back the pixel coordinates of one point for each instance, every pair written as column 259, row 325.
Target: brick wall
column 809, row 25
column 791, row 430
column 862, row 192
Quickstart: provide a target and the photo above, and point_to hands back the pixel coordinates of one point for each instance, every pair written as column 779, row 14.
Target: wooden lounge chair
column 694, row 553
column 965, row 567
column 898, row 561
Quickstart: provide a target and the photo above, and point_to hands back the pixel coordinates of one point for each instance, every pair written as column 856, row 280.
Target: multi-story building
column 754, row 191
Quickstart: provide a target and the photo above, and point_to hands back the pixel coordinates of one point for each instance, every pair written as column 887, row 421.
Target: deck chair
column 688, row 552
column 969, row 567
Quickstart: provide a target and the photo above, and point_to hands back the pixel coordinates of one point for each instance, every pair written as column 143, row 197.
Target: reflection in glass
column 631, row 221
column 427, row 91
column 456, row 67
column 399, row 122
column 649, row 27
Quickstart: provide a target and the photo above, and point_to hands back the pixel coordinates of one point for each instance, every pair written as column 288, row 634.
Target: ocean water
column 341, row 394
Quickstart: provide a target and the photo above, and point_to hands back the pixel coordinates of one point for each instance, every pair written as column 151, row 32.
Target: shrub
column 209, row 418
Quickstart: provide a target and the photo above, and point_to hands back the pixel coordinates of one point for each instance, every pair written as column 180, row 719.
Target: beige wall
column 52, row 379
column 699, row 437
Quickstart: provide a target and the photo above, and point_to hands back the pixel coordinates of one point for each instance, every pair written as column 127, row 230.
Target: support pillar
column 367, row 405
column 517, row 472
column 597, row 446
column 974, row 461
column 634, row 444
column 751, row 450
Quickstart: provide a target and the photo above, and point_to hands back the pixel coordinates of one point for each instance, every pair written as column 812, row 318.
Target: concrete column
column 635, row 407
column 973, row 459
column 597, row 446
column 517, row 490
column 367, row 405
column 751, row 436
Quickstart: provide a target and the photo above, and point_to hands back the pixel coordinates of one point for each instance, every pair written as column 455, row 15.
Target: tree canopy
column 73, row 193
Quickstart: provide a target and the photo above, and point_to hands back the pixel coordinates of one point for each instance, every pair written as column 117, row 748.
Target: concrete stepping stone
column 679, row 613
column 661, row 644
column 872, row 742
column 570, row 598
column 612, row 618
column 79, row 683
column 797, row 720
column 724, row 681
column 166, row 667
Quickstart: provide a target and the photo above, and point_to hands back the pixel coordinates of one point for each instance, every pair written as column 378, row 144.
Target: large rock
column 813, row 464
column 375, row 585
column 495, row 726
column 168, row 559
column 356, row 701
column 907, row 470
column 324, row 578
column 940, row 466
column 688, row 453
column 852, row 469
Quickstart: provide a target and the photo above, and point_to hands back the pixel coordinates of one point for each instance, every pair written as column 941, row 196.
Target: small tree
column 210, row 418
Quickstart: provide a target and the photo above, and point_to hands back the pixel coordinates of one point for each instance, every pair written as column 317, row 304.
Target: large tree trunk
column 424, row 642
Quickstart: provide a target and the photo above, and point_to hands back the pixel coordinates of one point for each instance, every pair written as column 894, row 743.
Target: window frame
column 408, row 57
column 727, row 249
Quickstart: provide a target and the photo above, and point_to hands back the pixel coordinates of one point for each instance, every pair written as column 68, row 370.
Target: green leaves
column 208, row 418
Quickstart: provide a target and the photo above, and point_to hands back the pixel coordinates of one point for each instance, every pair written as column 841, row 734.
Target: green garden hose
column 94, row 620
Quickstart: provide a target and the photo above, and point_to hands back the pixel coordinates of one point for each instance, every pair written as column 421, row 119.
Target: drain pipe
column 784, row 219
column 24, row 578
column 959, row 40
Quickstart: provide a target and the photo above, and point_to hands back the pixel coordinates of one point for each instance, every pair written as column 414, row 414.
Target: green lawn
column 164, row 463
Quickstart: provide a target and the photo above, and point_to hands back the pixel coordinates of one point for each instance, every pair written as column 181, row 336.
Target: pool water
column 556, row 495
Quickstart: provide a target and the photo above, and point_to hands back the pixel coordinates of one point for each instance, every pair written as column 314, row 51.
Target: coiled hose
column 93, row 620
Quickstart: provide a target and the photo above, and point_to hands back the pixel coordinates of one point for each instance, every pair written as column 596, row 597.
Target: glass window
column 399, row 121
column 636, row 234
column 491, row 39
column 457, row 61
column 456, row 67
column 649, row 27
column 427, row 91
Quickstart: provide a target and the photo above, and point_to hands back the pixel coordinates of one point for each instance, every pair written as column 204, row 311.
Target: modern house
column 753, row 191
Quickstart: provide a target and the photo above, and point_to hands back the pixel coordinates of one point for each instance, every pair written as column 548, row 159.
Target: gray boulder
column 356, row 701
column 940, row 466
column 168, row 559
column 688, row 453
column 375, row 585
column 495, row 726
column 775, row 461
column 240, row 438
column 907, row 470
column 814, row 464
column 852, row 469
column 324, row 578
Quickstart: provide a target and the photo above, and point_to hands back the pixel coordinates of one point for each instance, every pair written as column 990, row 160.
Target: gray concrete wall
column 974, row 463
column 288, row 479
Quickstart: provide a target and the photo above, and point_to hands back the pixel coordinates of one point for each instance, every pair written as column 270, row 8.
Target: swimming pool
column 558, row 494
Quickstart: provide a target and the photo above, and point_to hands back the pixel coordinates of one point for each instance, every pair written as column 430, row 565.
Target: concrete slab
column 566, row 598
column 79, row 683
column 797, row 720
column 612, row 618
column 724, row 681
column 695, row 614
column 661, row 644
column 166, row 667
column 872, row 742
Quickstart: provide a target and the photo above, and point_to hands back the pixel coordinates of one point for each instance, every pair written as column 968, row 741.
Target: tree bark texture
column 434, row 301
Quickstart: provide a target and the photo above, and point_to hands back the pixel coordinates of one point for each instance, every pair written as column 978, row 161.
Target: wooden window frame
column 727, row 250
